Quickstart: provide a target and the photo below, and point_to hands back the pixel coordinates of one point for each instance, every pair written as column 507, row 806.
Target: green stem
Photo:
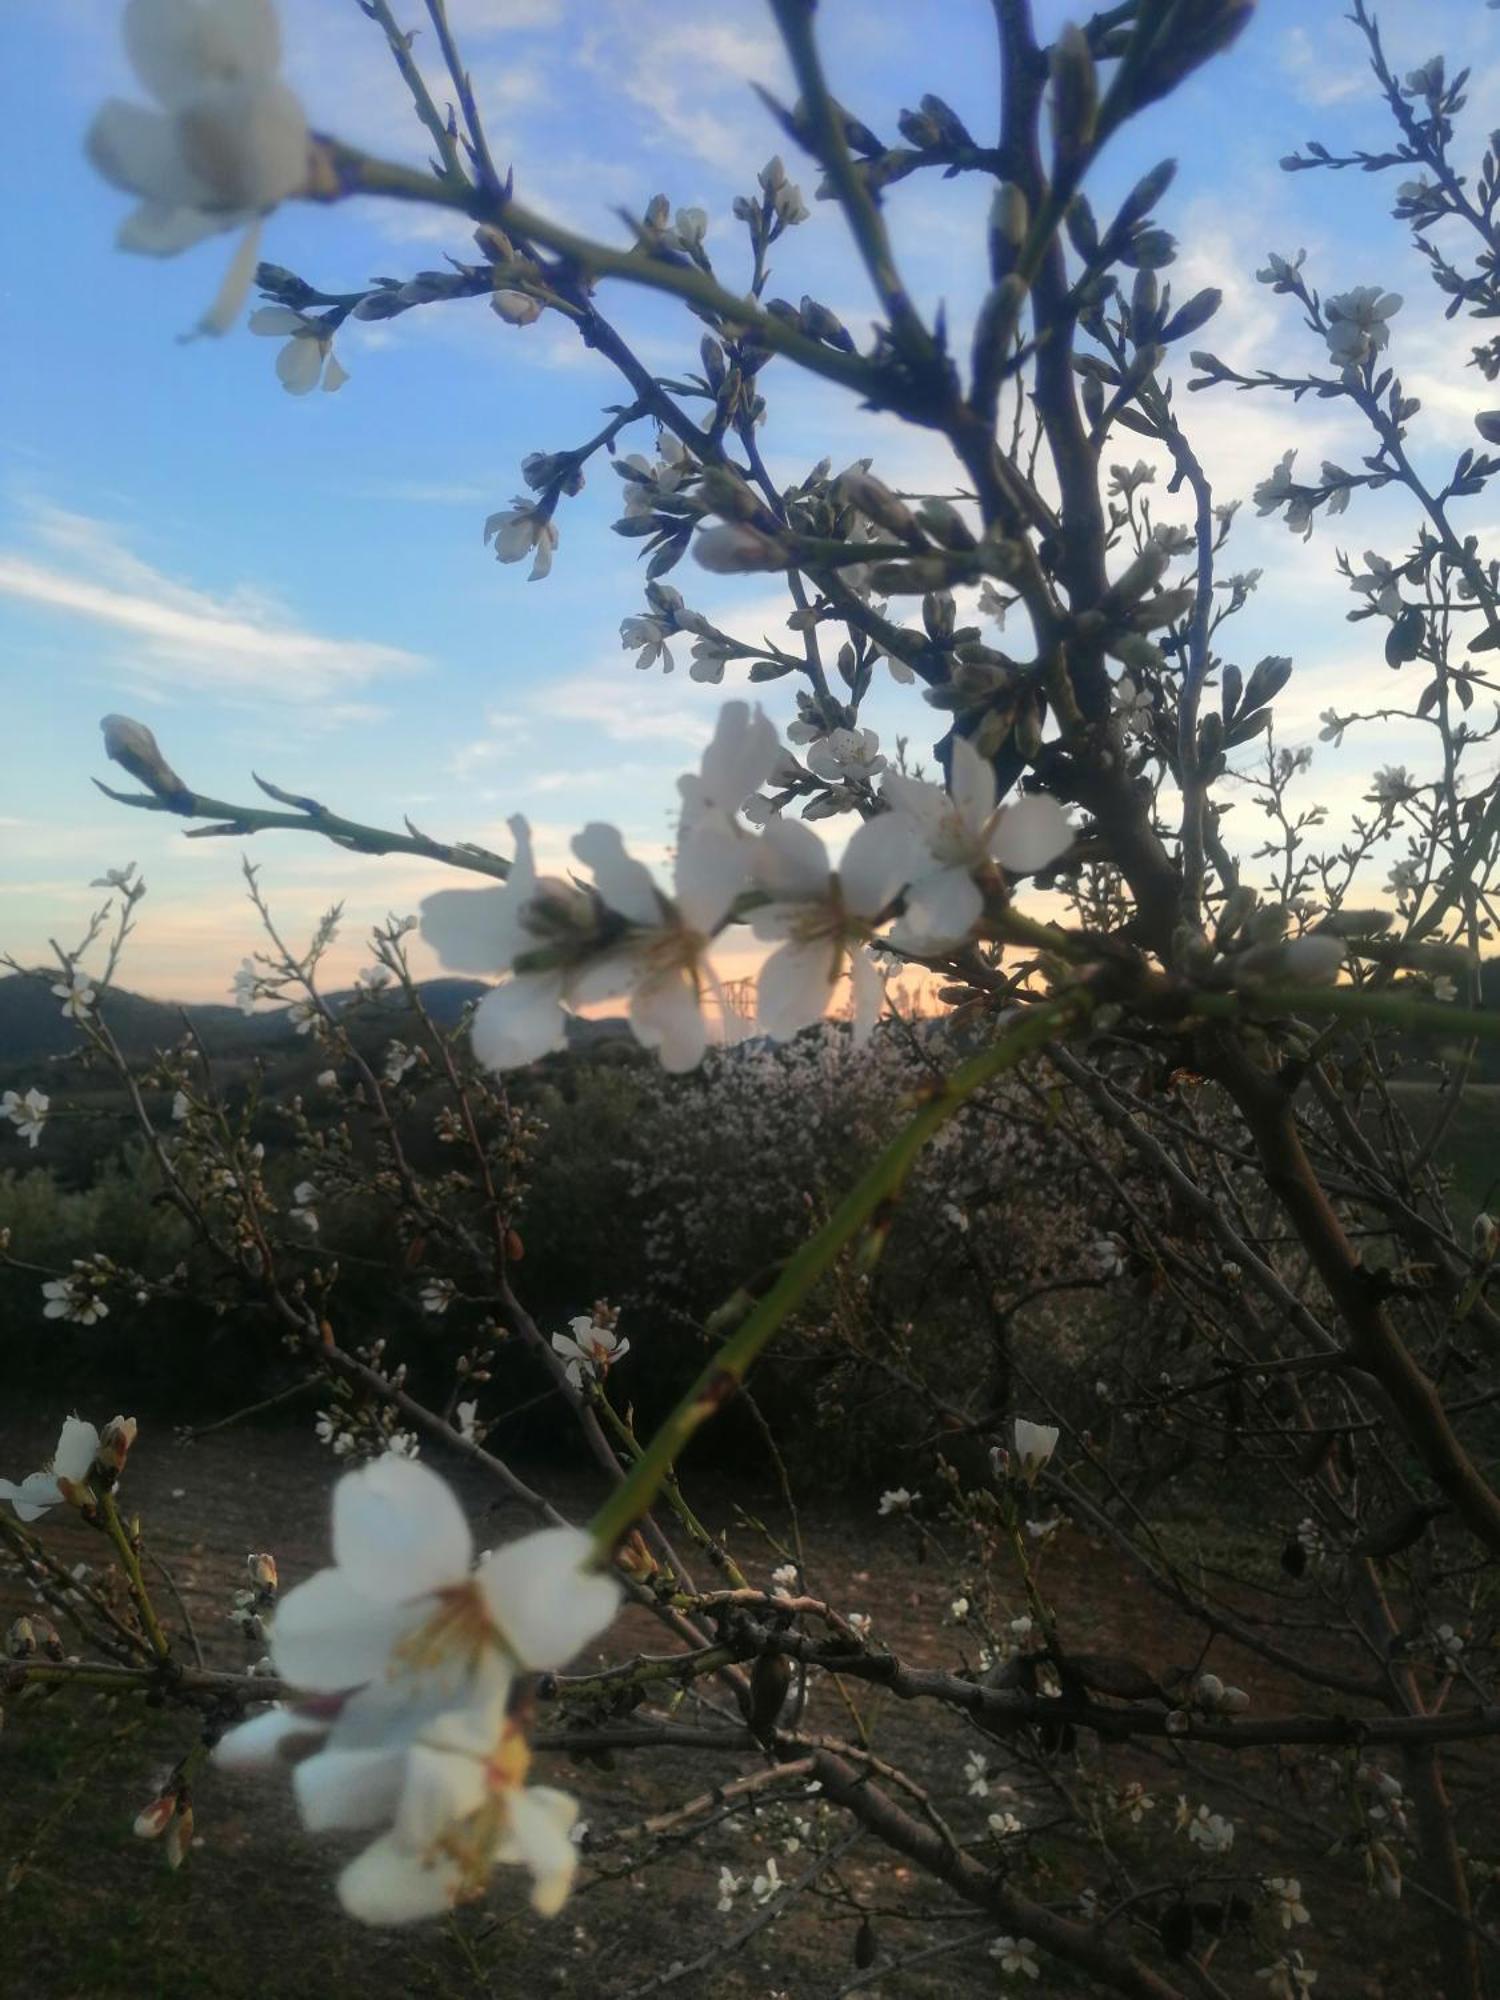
column 1352, row 1003
column 876, row 1189
column 129, row 1555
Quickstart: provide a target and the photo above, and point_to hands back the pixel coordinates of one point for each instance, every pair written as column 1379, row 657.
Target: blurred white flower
column 228, row 143
column 1288, row 1906
column 897, row 1500
column 436, row 1295
column 768, row 1883
column 1016, row 1954
column 977, row 1774
column 74, row 1299
column 1358, row 323
column 27, row 1111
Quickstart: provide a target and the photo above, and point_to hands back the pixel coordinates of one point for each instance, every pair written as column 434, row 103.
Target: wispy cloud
column 175, row 636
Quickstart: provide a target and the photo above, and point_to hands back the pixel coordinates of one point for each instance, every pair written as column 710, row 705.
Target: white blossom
column 307, row 360
column 1357, row 323
column 27, row 1111
column 76, row 992
column 69, row 1465
column 825, row 921
column 73, row 1299
column 1016, row 1954
column 897, row 1500
column 228, row 143
column 977, row 1774
column 520, row 531
column 768, row 1882
column 436, row 1295
column 959, row 833
column 589, row 1350
column 730, row 1886
column 1034, row 1445
column 1211, row 1831
column 1286, row 1894
column 246, row 985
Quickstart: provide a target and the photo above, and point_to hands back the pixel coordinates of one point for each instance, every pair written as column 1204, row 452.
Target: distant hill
column 33, row 1027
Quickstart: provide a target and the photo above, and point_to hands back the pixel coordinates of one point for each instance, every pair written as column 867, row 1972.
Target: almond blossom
column 961, row 835
column 520, row 531
column 77, row 1444
column 492, row 930
column 825, row 920
column 465, row 1808
column 228, row 143
column 404, row 1629
column 27, row 1111
column 1035, row 1444
column 307, row 360
column 738, row 761
column 590, row 1350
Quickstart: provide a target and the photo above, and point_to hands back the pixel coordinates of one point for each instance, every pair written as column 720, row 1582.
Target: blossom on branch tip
column 307, row 360
column 228, row 143
column 77, row 1444
column 1034, row 1446
column 589, row 1350
column 520, row 531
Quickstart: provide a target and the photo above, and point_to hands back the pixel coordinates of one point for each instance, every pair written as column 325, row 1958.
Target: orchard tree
column 1178, row 1046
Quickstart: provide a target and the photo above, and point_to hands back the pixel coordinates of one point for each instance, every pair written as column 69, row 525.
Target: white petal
column 741, row 756
column 713, row 866
column 329, row 1637
column 793, row 988
column 260, row 1742
column 666, row 1015
column 177, row 46
column 624, row 884
column 276, row 319
column 299, row 365
column 971, row 783
column 76, row 1446
column 154, row 230
column 388, row 1884
column 36, row 1493
column 398, row 1532
column 926, row 805
column 541, row 1822
column 465, row 927
column 246, row 143
column 349, row 1788
column 335, row 375
column 941, row 910
column 235, row 288
column 136, row 149
column 519, row 1022
column 791, row 861
column 877, row 864
column 543, row 1598
column 1030, row 834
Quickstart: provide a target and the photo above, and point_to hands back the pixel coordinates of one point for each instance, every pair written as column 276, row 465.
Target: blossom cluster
column 915, row 876
column 409, row 1659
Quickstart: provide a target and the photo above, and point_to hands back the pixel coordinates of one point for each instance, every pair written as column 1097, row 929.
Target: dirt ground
column 88, row 1912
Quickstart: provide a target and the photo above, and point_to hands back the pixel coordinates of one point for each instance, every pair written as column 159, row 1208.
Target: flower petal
column 159, row 230
column 666, row 1015
column 794, row 985
column 176, row 46
column 877, row 864
column 941, row 910
column 520, row 1021
column 299, row 366
column 349, row 1788
column 713, row 866
column 136, row 150
column 265, row 1738
column 791, row 861
column 398, row 1531
column 545, row 1600
column 971, row 783
column 625, row 884
column 388, row 1884
column 329, row 1637
column 540, row 1836
column 77, row 1442
column 466, row 927
column 1031, row 834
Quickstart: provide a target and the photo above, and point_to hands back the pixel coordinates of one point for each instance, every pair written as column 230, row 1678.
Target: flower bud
column 732, row 549
column 262, row 1570
column 132, row 746
column 115, row 1441
column 20, row 1640
column 153, row 1820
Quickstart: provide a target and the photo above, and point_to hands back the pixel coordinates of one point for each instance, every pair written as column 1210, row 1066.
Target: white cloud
column 240, row 647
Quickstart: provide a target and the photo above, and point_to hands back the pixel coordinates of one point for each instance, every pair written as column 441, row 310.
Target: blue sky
column 299, row 586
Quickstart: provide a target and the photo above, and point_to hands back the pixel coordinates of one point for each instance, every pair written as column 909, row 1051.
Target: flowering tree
column 1183, row 1057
